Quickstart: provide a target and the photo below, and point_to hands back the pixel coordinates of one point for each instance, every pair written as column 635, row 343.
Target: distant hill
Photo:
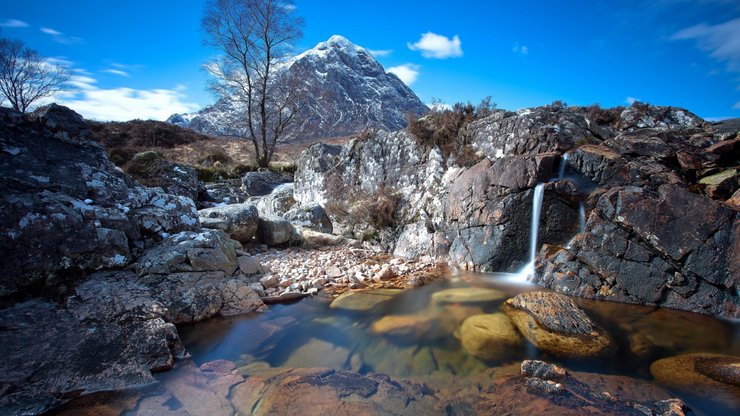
column 345, row 91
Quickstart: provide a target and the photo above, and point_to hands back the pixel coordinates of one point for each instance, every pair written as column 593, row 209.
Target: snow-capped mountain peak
column 344, row 90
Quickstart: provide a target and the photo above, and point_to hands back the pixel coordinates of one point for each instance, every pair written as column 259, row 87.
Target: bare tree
column 26, row 77
column 254, row 36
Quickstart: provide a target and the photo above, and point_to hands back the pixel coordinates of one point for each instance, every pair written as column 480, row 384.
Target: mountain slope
column 344, row 91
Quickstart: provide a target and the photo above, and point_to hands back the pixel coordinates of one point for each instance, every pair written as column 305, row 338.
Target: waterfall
column 563, row 165
column 527, row 271
column 581, row 218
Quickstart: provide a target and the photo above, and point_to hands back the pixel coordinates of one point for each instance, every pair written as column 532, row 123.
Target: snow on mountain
column 344, row 91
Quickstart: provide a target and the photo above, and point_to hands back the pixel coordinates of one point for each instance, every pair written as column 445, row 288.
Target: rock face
column 553, row 323
column 67, row 209
column 343, row 90
column 652, row 190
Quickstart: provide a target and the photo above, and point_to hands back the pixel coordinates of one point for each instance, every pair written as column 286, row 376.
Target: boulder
column 61, row 122
column 260, row 183
column 277, row 202
column 711, row 376
column 490, row 337
column 209, row 250
column 240, row 221
column 223, row 193
column 556, row 325
column 275, row 231
column 311, row 216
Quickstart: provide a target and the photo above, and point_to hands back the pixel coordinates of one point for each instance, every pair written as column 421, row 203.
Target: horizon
column 138, row 60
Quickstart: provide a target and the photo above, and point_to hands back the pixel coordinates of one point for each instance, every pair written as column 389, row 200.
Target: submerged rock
column 554, row 324
column 467, row 295
column 490, row 336
column 363, row 300
column 711, row 376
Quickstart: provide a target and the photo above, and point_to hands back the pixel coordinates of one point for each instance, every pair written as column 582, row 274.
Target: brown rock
column 553, row 323
column 490, row 336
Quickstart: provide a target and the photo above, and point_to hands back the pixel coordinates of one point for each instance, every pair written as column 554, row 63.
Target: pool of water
column 425, row 347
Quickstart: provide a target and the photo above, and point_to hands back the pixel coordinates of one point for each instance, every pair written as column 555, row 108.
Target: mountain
column 345, row 90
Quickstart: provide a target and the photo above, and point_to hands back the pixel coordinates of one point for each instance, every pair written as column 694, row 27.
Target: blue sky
column 142, row 59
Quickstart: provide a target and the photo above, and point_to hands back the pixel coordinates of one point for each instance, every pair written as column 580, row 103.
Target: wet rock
column 467, row 295
column 238, row 220
column 311, row 216
column 364, row 300
column 260, row 183
column 490, row 336
column 543, row 370
column 711, row 376
column 648, row 248
column 54, row 354
column 554, row 324
column 336, row 392
column 275, row 231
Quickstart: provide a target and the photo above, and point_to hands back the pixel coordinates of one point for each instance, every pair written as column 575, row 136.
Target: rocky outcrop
column 67, row 209
column 150, row 169
column 635, row 174
column 261, row 182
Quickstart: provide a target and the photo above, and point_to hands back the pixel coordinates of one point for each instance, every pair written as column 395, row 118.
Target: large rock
column 490, row 222
column 311, row 216
column 275, row 231
column 277, row 202
column 364, row 300
column 67, row 209
column 671, row 248
column 260, row 183
column 554, row 324
column 240, row 221
column 150, row 169
column 490, row 337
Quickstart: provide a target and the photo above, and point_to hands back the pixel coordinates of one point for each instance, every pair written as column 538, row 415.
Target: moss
column 718, row 178
column 146, row 157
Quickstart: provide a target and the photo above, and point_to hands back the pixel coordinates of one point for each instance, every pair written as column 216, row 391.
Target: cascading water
column 581, row 217
column 563, row 166
column 528, row 271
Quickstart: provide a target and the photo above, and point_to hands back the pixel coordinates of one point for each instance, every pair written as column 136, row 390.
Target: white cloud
column 631, row 100
column 406, row 72
column 121, row 104
column 523, row 49
column 60, row 37
column 722, row 41
column 116, row 72
column 290, row 7
column 736, row 106
column 437, row 46
column 14, row 23
column 379, row 53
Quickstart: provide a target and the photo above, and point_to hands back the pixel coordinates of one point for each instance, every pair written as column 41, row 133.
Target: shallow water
column 309, row 333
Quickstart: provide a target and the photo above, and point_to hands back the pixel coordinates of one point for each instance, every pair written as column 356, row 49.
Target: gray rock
column 67, row 208
column 275, row 231
column 238, row 220
column 248, row 265
column 311, row 216
column 277, row 202
column 260, row 183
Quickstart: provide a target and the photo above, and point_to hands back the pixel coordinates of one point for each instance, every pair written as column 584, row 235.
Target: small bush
column 218, row 156
column 284, row 167
column 212, row 174
column 602, row 116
